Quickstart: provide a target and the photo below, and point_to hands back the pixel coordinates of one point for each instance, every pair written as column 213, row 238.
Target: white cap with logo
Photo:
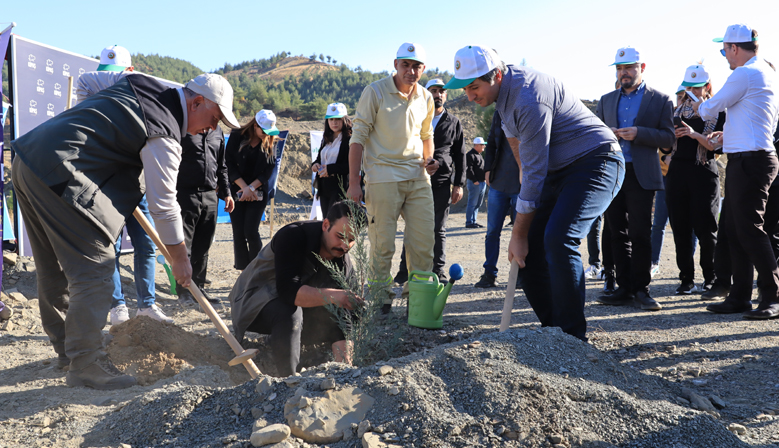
column 478, row 141
column 471, row 62
column 736, row 34
column 335, row 110
column 434, row 82
column 114, row 59
column 267, row 121
column 696, row 76
column 627, row 55
column 680, row 89
column 216, row 88
column 410, row 50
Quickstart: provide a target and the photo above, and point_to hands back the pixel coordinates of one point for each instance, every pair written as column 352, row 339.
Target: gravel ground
column 630, row 387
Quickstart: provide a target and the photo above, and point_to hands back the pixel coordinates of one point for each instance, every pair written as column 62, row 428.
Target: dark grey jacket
column 655, row 130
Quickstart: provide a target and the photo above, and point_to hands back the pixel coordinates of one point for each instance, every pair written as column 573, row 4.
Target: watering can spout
column 440, row 300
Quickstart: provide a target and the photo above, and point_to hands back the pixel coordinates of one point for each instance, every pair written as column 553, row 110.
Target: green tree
column 321, row 57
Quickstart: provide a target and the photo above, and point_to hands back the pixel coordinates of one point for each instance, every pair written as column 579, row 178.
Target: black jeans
column 692, row 195
column 289, row 325
column 749, row 177
column 245, row 220
column 629, row 218
column 198, row 213
column 442, row 199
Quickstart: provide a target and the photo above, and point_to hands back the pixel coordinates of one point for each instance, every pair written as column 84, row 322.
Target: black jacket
column 338, row 172
column 495, row 140
column 203, row 166
column 475, row 163
column 449, row 152
column 249, row 164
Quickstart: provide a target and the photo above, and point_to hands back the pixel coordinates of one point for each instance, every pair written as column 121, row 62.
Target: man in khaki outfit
column 392, row 140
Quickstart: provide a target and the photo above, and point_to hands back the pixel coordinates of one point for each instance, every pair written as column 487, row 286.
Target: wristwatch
column 251, row 187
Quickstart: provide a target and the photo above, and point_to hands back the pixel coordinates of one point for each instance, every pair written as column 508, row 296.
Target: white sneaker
column 155, row 313
column 592, row 273
column 119, row 314
column 655, row 270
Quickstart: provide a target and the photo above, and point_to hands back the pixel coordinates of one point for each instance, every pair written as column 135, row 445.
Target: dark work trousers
column 442, row 199
column 605, row 247
column 289, row 325
column 245, row 220
column 692, row 196
column 630, row 219
column 198, row 214
column 722, row 252
column 749, row 176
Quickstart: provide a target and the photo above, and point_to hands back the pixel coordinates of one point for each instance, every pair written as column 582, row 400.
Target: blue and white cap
column 627, row 55
column 335, row 110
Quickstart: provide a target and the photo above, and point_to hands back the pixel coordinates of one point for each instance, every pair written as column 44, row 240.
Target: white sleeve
column 161, row 157
column 731, row 92
column 92, row 82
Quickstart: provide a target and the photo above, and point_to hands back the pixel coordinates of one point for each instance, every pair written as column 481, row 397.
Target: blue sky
column 574, row 41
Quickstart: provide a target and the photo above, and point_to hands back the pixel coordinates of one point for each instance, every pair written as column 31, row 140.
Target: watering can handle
column 424, row 275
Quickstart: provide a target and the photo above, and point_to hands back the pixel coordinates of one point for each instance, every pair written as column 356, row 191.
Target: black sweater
column 475, row 170
column 249, row 164
column 203, row 165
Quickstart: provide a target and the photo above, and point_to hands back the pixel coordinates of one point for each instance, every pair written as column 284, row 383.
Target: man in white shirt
column 750, row 98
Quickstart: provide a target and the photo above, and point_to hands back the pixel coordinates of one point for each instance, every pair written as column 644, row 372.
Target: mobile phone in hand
column 677, row 122
column 692, row 96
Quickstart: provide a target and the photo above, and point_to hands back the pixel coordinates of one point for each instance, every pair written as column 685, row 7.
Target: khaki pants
column 74, row 261
column 385, row 202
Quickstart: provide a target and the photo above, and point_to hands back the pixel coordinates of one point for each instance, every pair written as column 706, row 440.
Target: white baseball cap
column 114, row 59
column 335, row 110
column 215, row 88
column 696, row 76
column 737, row 33
column 471, row 62
column 627, row 55
column 267, row 121
column 680, row 89
column 410, row 50
column 478, row 141
column 434, row 82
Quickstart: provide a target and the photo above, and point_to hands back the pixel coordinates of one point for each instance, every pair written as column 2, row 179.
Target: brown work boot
column 101, row 375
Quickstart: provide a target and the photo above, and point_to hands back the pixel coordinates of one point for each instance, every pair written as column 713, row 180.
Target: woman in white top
column 332, row 163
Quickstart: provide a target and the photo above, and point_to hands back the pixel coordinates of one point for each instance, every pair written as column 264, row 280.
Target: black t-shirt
column 687, row 147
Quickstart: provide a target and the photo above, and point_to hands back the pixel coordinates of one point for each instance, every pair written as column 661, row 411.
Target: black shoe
column 714, row 292
column 770, row 311
column 441, row 277
column 510, row 224
column 730, row 306
column 645, row 302
column 619, row 298
column 609, row 284
column 213, row 300
column 487, row 280
column 686, row 288
column 472, row 226
column 185, row 297
column 386, row 308
column 207, row 281
column 402, row 277
column 479, row 225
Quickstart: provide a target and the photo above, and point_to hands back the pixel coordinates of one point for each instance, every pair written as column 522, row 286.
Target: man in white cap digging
column 78, row 177
column 392, row 140
column 571, row 166
column 752, row 104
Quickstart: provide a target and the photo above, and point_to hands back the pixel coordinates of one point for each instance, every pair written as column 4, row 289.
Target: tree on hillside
column 321, row 57
column 328, row 58
column 312, row 58
column 335, row 62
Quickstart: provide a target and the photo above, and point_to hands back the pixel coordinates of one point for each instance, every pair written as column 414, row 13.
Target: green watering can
column 427, row 297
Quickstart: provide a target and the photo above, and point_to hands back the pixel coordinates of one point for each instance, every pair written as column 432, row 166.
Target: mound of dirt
column 151, row 350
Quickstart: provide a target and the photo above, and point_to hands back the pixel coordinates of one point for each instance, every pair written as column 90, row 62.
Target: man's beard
column 438, row 103
column 627, row 83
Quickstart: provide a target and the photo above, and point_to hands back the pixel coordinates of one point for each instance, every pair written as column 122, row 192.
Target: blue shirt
column 627, row 111
column 554, row 128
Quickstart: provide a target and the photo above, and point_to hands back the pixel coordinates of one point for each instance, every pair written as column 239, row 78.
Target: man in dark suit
column 642, row 120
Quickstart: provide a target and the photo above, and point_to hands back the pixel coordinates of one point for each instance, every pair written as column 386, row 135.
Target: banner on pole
column 5, row 37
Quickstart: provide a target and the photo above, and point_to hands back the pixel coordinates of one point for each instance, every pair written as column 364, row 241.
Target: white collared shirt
column 750, row 98
column 331, row 150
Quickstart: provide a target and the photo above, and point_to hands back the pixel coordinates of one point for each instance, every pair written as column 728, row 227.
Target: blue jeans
column 498, row 205
column 144, row 256
column 475, row 199
column 572, row 198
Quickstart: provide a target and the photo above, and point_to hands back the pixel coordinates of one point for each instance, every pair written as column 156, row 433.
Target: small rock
column 270, row 434
column 697, row 401
column 124, row 445
column 592, row 357
column 393, row 391
column 18, row 298
column 292, row 381
column 718, row 402
column 256, row 413
column 104, row 401
column 556, row 439
column 43, row 422
column 259, row 424
column 363, row 427
column 356, row 373
column 327, row 384
column 699, row 382
column 272, row 396
column 371, row 440
column 474, row 344
column 226, row 440
column 512, row 435
column 264, row 385
column 10, row 258
column 268, row 408
column 385, row 370
column 735, row 428
column 236, row 410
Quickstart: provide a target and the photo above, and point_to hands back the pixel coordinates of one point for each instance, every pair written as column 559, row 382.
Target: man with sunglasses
column 749, row 95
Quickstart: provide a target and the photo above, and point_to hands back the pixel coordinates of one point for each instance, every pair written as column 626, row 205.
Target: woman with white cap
column 693, row 188
column 250, row 158
column 332, row 162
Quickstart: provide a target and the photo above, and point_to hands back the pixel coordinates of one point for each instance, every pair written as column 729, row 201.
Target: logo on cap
column 410, row 48
column 693, row 75
column 111, row 55
column 621, row 53
column 457, row 65
column 333, row 108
